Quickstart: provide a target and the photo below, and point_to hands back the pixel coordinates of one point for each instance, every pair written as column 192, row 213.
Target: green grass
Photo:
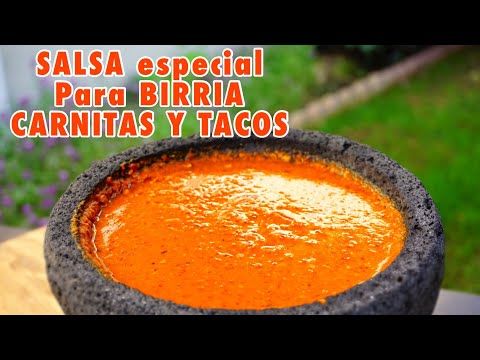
column 431, row 125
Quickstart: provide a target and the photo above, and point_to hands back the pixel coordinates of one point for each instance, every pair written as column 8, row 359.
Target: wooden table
column 24, row 287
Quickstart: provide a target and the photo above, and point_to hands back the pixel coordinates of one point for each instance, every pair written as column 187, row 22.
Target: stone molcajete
column 409, row 285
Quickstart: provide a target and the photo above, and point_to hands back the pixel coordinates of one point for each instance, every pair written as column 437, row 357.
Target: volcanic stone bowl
column 410, row 285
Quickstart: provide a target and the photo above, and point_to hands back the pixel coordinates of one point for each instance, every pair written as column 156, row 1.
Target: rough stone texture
column 409, row 286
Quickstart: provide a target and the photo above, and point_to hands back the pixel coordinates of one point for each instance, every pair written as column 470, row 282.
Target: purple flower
column 63, row 175
column 72, row 153
column 46, row 82
column 69, row 104
column 50, row 190
column 27, row 209
column 32, row 219
column 42, row 222
column 27, row 175
column 24, row 101
column 50, row 142
column 47, row 203
column 27, row 145
column 3, row 117
column 7, row 201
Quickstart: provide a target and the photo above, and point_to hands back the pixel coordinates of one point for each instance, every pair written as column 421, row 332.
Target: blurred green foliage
column 34, row 173
column 430, row 125
column 288, row 82
column 372, row 57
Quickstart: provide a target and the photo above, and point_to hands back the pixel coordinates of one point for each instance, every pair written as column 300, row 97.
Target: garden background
column 429, row 123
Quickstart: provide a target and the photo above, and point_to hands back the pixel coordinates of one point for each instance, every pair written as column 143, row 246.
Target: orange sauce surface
column 244, row 231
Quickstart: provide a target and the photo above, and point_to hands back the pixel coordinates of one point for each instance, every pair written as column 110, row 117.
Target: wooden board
column 24, row 288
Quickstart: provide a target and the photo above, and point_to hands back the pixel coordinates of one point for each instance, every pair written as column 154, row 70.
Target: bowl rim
column 417, row 271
